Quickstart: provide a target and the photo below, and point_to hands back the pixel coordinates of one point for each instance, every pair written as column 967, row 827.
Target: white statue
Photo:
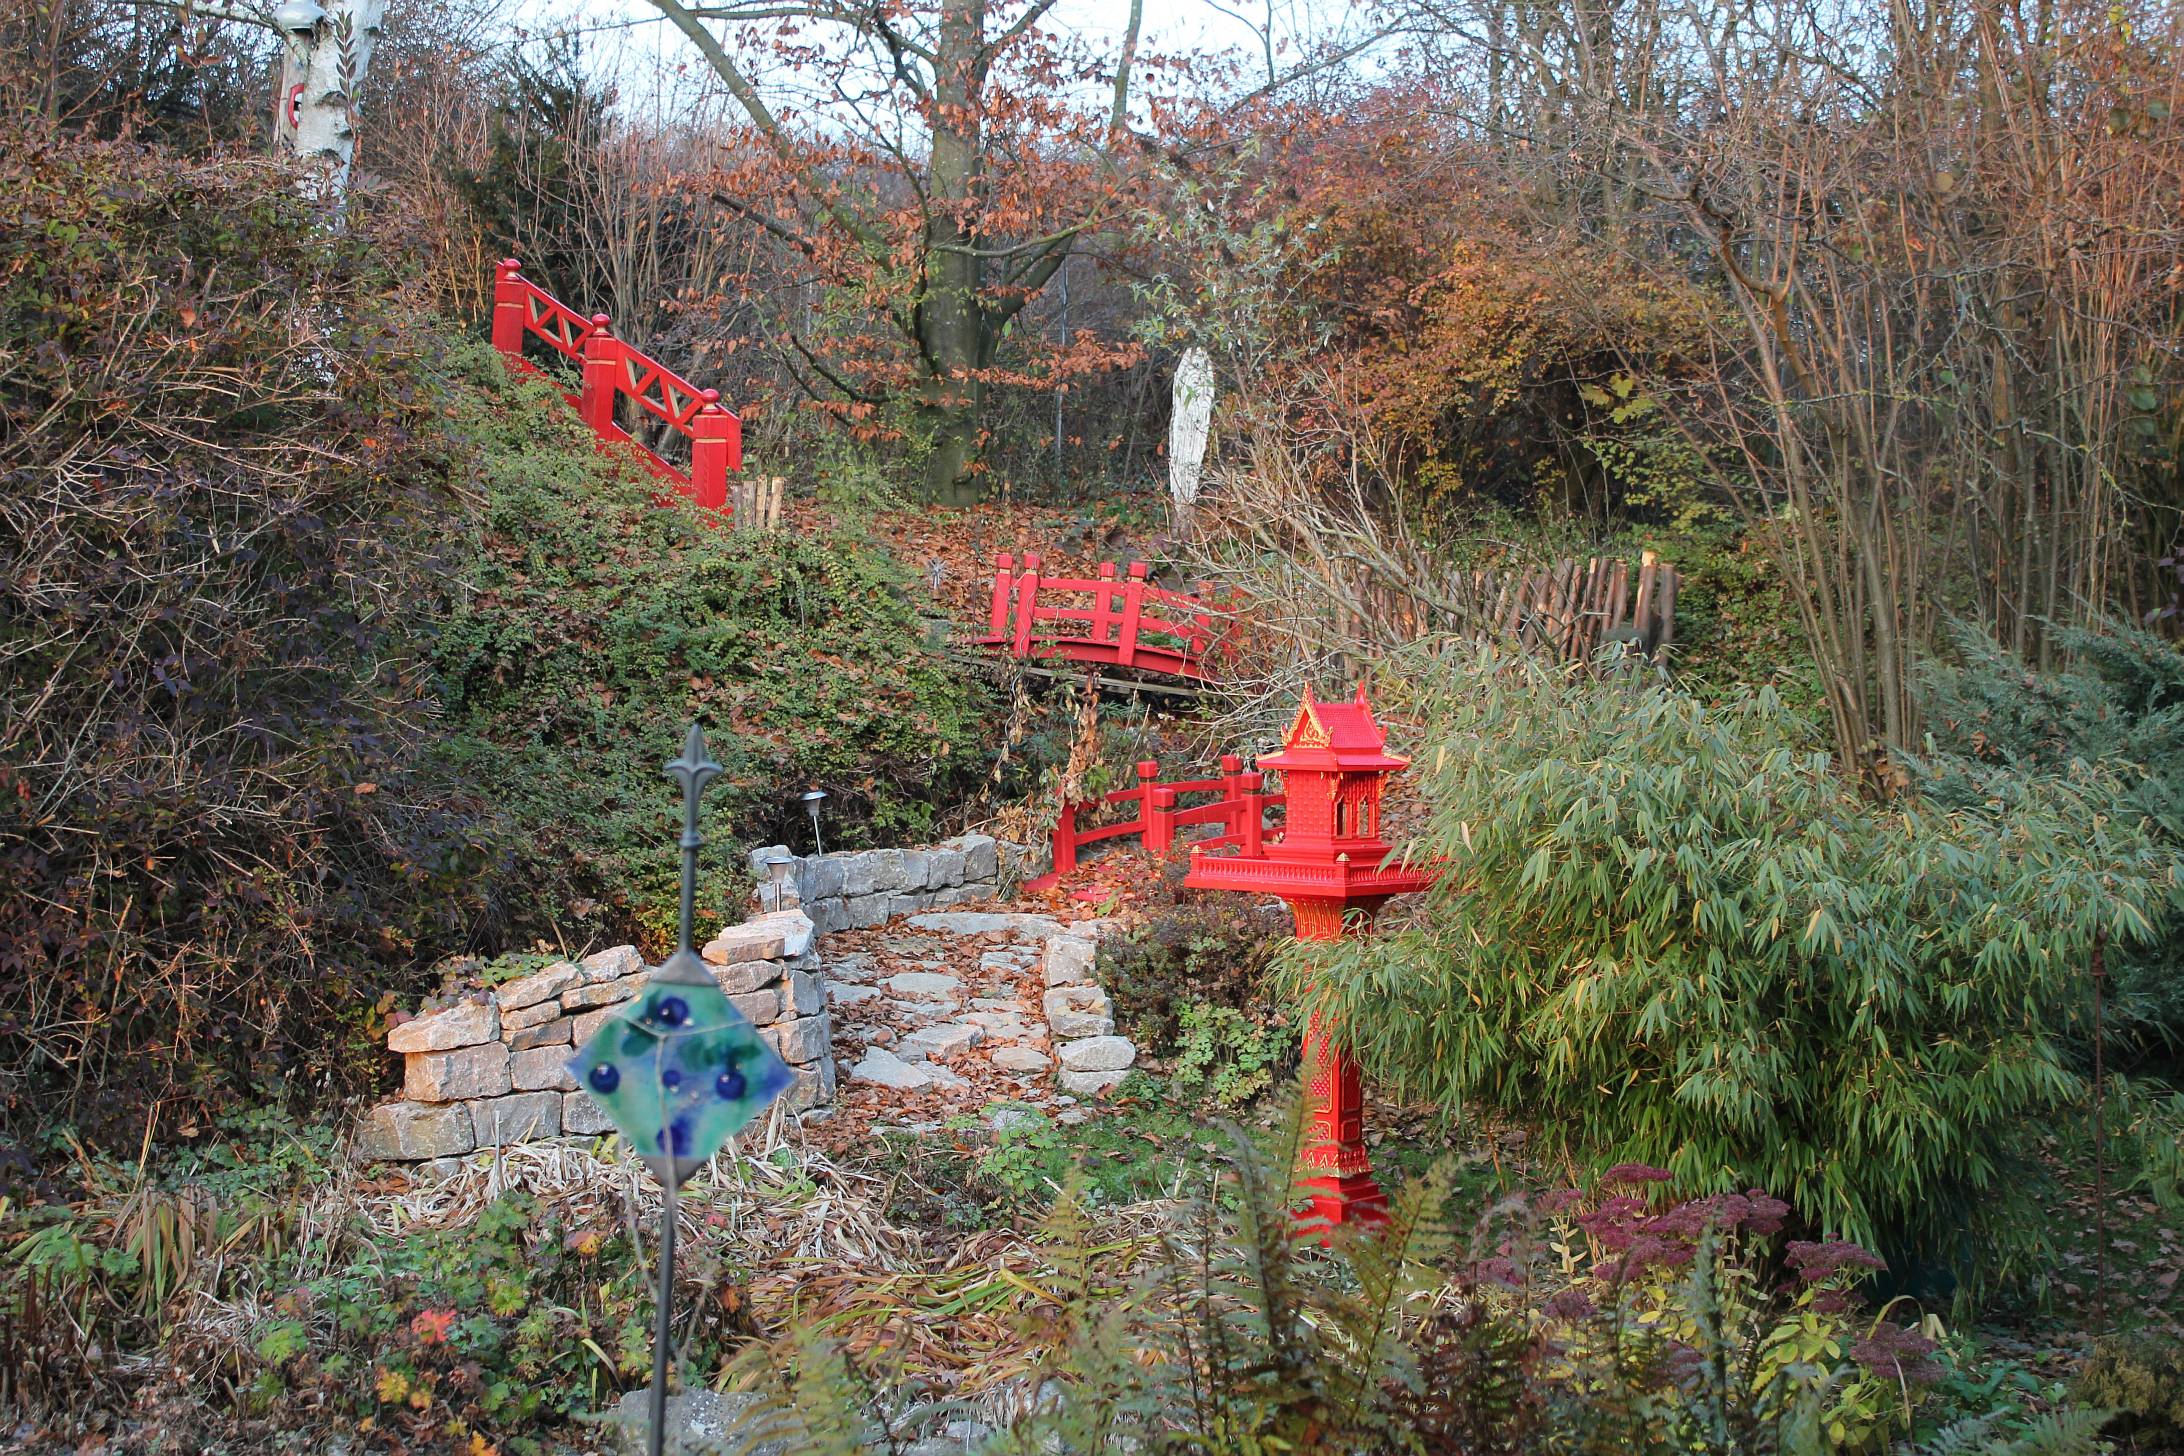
column 1188, row 424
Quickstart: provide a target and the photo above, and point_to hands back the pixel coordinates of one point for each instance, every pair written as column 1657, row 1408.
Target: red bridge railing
column 1239, row 806
column 1127, row 621
column 613, row 371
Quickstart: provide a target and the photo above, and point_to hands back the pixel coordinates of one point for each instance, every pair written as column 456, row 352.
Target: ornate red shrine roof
column 1335, row 737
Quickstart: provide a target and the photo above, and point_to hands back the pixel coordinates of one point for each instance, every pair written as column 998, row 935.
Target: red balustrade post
column 1103, row 602
column 511, row 309
column 1252, row 831
column 1153, row 829
column 1232, row 772
column 1160, row 818
column 1027, row 604
column 712, row 438
column 1065, row 841
column 1133, row 604
column 997, row 620
column 602, row 362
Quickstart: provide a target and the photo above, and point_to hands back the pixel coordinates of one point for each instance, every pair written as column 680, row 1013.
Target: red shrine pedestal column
column 1338, row 1172
column 1329, row 865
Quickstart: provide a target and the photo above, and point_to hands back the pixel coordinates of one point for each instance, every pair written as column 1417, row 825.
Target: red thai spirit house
column 1330, row 867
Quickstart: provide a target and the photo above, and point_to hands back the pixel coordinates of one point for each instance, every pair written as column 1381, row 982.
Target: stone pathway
column 949, row 1011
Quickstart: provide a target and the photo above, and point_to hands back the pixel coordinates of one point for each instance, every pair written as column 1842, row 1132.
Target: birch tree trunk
column 324, row 55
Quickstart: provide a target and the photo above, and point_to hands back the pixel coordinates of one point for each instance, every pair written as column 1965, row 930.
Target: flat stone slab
column 612, row 964
column 924, row 983
column 885, row 1069
column 853, row 965
column 848, row 993
column 1098, row 1054
column 410, row 1131
column 1068, row 960
column 1074, row 1011
column 924, row 1010
column 985, row 922
column 541, row 986
column 477, row 1071
column 1021, row 1059
column 1088, row 1084
column 945, row 1040
column 467, row 1023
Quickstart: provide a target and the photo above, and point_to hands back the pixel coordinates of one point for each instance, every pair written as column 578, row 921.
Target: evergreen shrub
column 1670, row 932
column 593, row 624
column 2109, row 722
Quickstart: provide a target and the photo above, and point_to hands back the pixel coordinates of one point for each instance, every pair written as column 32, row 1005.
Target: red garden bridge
column 613, row 371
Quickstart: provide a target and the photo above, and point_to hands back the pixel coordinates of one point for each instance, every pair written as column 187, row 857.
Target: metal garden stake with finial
column 679, row 1070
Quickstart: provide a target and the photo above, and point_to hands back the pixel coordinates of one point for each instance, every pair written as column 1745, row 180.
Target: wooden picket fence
column 755, row 502
column 1567, row 610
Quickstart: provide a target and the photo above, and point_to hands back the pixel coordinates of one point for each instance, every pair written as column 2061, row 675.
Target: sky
column 629, row 40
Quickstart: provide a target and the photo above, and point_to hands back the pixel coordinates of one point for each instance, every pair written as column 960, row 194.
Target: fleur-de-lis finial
column 694, row 770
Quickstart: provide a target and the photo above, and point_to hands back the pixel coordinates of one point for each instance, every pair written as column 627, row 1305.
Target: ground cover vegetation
column 1785, row 1061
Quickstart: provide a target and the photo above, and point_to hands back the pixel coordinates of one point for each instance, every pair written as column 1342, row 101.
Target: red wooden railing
column 1128, row 622
column 614, row 370
column 1239, row 807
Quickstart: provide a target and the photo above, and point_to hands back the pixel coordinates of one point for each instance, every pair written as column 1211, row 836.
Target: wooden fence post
column 711, row 442
column 602, row 360
column 511, row 309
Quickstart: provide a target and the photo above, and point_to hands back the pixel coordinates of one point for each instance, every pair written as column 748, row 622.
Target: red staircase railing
column 613, row 370
column 1239, row 807
column 1122, row 626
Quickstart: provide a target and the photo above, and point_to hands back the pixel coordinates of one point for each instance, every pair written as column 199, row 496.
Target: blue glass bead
column 671, row 1079
column 729, row 1085
column 672, row 1011
column 605, row 1078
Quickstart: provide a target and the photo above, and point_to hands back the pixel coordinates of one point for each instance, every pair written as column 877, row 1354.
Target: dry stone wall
column 486, row 1070
column 857, row 889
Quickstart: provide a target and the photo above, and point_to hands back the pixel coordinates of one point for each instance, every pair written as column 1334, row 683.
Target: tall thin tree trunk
column 948, row 313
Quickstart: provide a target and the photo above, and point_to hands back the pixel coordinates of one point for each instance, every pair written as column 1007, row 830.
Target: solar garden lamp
column 678, row 1069
column 777, row 869
column 811, row 799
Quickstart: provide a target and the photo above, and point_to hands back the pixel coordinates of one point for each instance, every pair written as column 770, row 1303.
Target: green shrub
column 595, row 624
column 2111, row 722
column 1228, row 1057
column 1670, row 932
column 1210, row 950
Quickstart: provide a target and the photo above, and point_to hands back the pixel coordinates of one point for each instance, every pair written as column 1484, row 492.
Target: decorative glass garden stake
column 678, row 1069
